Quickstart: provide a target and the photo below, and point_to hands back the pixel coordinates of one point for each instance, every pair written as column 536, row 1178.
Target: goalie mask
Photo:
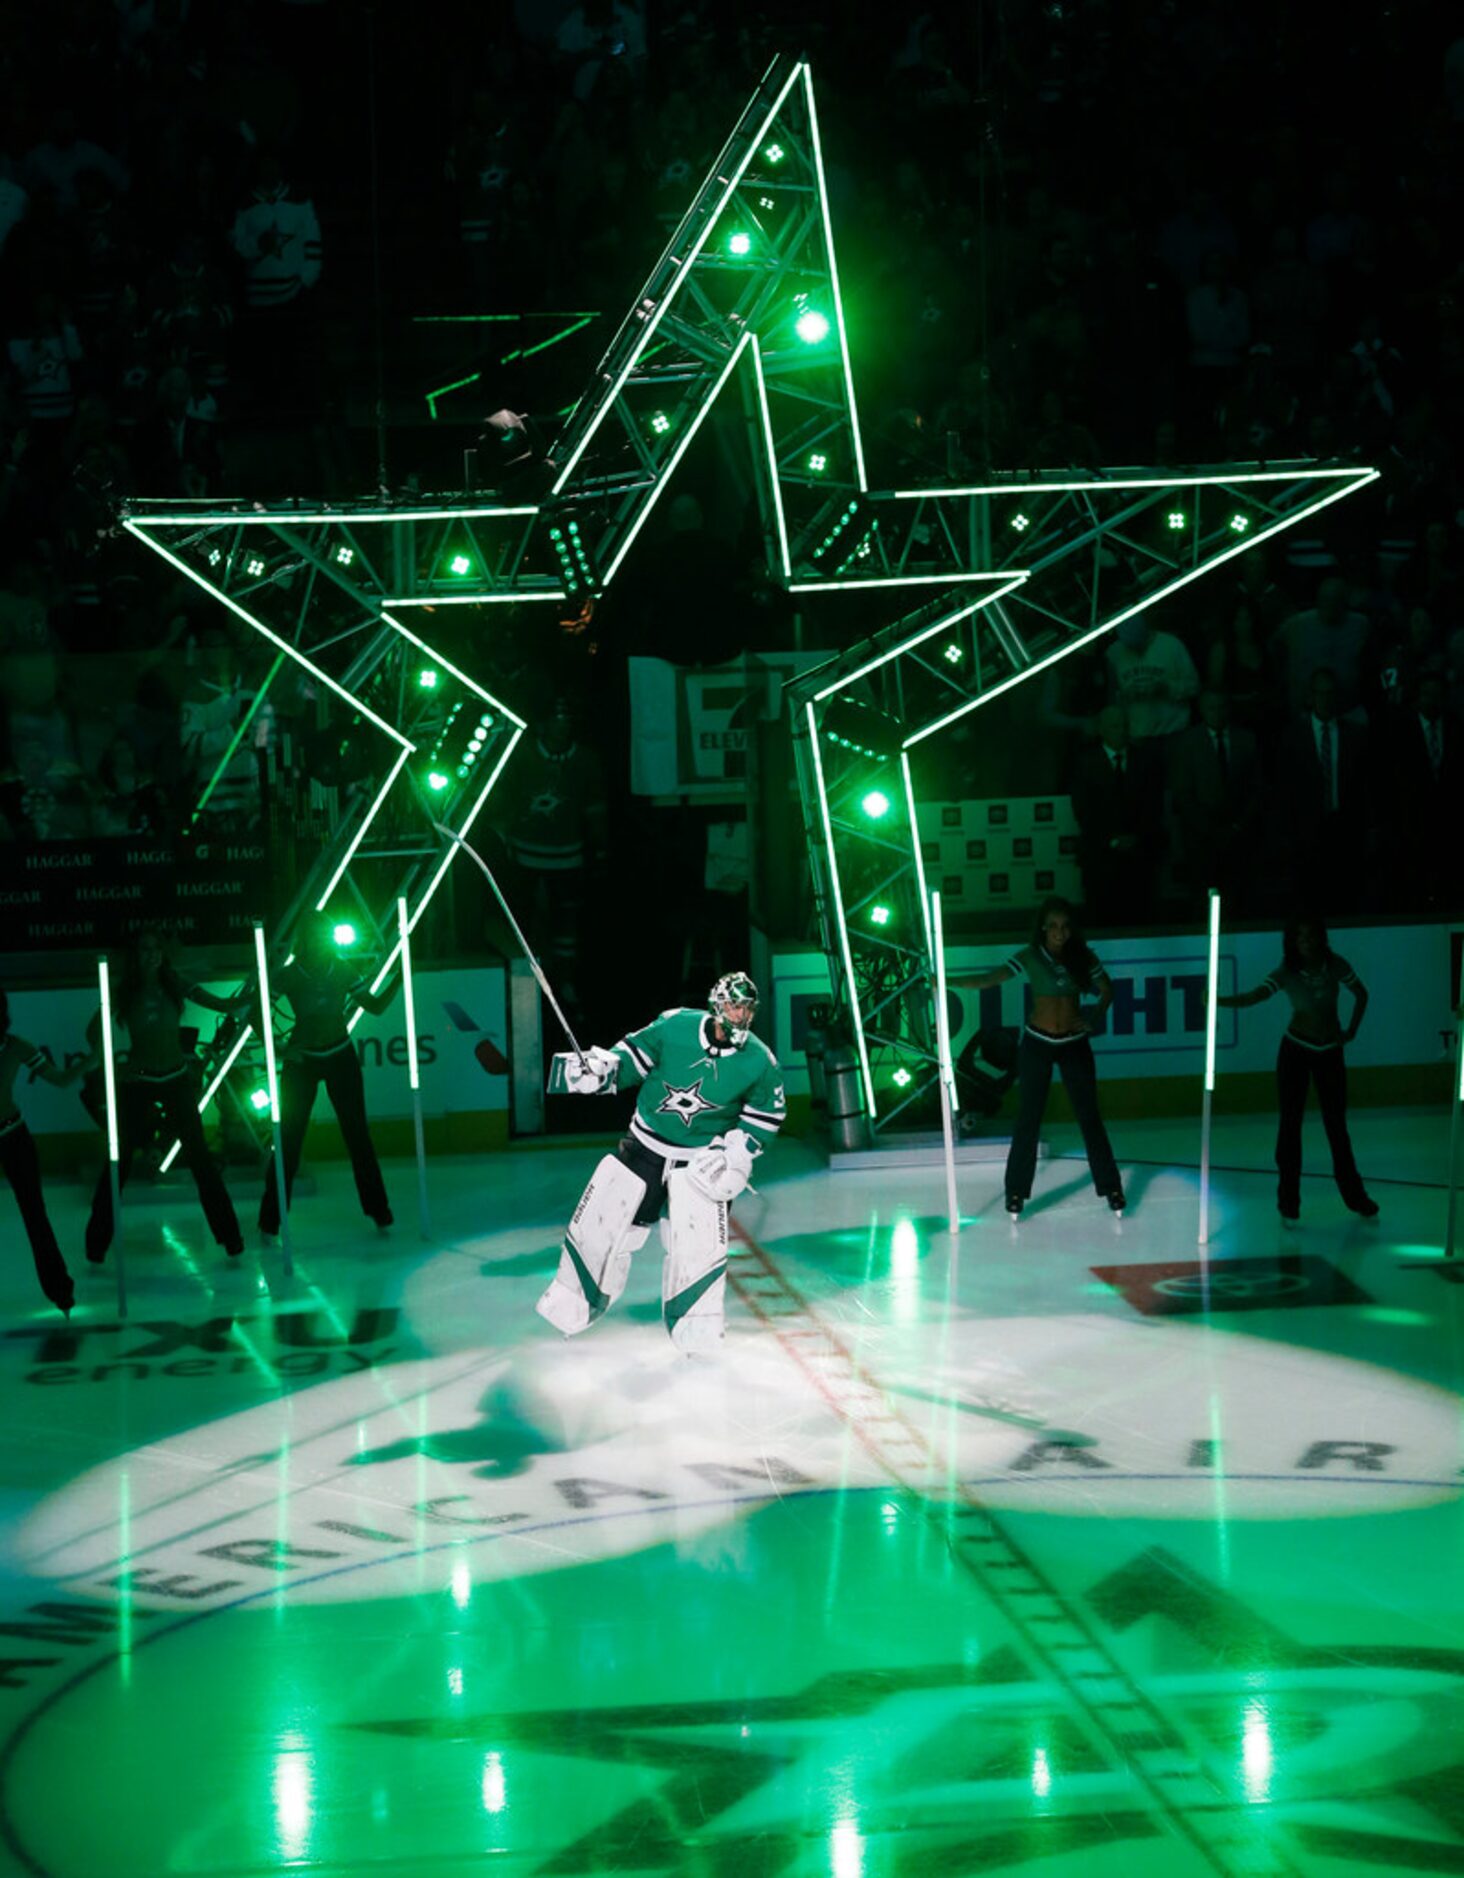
column 734, row 991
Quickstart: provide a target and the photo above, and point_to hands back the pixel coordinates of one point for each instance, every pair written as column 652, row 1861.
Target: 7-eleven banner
column 691, row 726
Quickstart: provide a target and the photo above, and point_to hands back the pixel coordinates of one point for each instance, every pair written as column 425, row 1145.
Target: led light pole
column 1454, row 1129
column 1212, row 987
column 272, row 1082
column 404, row 931
column 109, row 1071
column 947, row 1068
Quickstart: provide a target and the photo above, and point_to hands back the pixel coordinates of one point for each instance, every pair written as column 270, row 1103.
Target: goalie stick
column 534, row 966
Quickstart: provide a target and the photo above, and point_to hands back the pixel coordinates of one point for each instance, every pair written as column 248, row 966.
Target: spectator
column 1118, row 793
column 58, row 164
column 1153, row 677
column 1289, row 304
column 276, row 236
column 1330, row 635
column 1403, row 657
column 1237, row 665
column 42, row 357
column 1321, row 802
column 1425, row 781
column 1218, row 315
column 1215, row 783
column 177, row 451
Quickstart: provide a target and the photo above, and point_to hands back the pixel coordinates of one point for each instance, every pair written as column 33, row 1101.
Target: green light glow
column 739, row 243
column 766, row 202
column 344, row 934
column 812, row 326
column 1176, row 519
column 875, row 805
column 344, row 556
column 437, row 781
column 1361, row 478
column 1212, row 988
column 427, row 679
column 460, row 564
column 774, row 153
column 818, row 462
column 902, row 1079
column 649, row 329
column 254, row 566
column 1239, row 523
column 1021, row 523
column 660, row 423
column 953, row 655
column 259, row 1099
column 879, row 916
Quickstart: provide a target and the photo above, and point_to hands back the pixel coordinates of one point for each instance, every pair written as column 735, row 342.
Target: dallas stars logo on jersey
column 686, row 1104
column 692, row 1091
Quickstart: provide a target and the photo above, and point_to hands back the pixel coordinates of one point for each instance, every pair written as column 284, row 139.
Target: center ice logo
column 486, row 1465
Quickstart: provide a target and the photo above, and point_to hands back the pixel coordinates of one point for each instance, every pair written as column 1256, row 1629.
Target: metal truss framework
column 1117, row 547
column 747, row 288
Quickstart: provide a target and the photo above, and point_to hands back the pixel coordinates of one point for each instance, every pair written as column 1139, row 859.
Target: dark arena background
column 731, row 757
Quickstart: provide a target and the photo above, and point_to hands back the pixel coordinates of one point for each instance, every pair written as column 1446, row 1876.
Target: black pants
column 138, row 1098
column 300, row 1077
column 1296, row 1068
column 1036, row 1059
column 653, row 1169
column 23, row 1170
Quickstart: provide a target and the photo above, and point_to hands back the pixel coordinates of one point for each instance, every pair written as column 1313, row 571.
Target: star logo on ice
column 686, row 1103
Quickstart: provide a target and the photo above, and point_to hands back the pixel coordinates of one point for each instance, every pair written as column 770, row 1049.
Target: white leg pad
column 694, row 1272
column 595, row 1261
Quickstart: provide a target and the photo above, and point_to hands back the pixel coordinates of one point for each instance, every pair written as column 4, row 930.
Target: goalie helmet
column 733, row 988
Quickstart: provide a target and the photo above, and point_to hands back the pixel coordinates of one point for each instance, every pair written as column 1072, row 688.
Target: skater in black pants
column 20, row 1163
column 158, row 1077
column 323, row 989
column 1311, row 974
column 1059, row 966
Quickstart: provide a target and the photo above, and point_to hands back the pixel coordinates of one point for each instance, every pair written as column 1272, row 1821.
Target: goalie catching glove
column 724, row 1168
column 591, row 1074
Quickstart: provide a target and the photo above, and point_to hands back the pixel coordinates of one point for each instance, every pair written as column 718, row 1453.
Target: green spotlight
column 1021, row 523
column 215, row 555
column 774, row 153
column 460, row 564
column 811, row 326
column 254, row 566
column 1239, row 523
column 1176, row 519
column 875, row 805
column 344, row 556
column 660, row 423
column 902, row 1079
column 766, row 202
column 739, row 243
column 436, row 780
column 427, row 679
column 879, row 916
column 344, row 934
column 259, row 1099
column 953, row 655
column 818, row 462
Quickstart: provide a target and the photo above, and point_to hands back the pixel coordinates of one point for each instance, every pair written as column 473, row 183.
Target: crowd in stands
column 1076, row 233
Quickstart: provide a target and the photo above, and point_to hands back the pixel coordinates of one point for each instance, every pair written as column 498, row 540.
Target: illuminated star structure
column 1021, row 571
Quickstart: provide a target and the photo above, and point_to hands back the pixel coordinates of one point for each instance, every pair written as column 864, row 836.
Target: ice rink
column 1046, row 1548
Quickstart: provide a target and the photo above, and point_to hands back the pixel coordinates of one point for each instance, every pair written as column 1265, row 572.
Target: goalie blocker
column 710, row 1094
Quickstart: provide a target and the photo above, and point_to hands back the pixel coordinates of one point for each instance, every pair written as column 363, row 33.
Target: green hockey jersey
column 694, row 1089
